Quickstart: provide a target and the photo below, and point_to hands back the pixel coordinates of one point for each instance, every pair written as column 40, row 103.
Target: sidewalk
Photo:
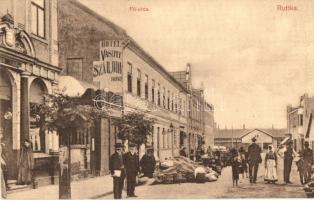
column 82, row 189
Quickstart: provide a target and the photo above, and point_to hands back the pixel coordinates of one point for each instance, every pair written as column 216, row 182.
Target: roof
column 239, row 133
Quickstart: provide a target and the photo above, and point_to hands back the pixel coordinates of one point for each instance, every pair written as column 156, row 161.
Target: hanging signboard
column 108, row 70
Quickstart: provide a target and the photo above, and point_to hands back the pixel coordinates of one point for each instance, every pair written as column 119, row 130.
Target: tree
column 134, row 127
column 66, row 115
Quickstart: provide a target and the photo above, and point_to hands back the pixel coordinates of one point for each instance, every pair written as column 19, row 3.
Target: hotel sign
column 108, row 70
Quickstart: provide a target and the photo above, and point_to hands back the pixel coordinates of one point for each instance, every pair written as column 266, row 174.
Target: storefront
column 23, row 80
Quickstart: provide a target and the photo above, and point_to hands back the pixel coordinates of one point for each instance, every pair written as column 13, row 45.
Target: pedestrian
column 183, row 152
column 235, row 166
column 254, row 159
column 25, row 164
column 288, row 158
column 3, row 164
column 131, row 161
column 117, row 170
column 148, row 163
column 301, row 168
column 4, row 161
column 209, row 152
column 243, row 156
column 271, row 166
column 192, row 156
column 308, row 161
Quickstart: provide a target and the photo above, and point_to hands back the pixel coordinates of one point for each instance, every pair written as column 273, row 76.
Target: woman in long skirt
column 271, row 166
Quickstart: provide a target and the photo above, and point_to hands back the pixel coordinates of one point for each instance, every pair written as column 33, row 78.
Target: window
column 153, row 91
column 301, row 120
column 138, row 82
column 130, row 77
column 163, row 138
column 172, row 102
column 38, row 17
column 80, row 137
column 175, row 138
column 158, row 95
column 146, row 86
column 168, row 101
column 164, row 98
column 168, row 138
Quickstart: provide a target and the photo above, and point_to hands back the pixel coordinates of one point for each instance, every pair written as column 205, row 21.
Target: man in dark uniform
column 308, row 161
column 131, row 161
column 116, row 167
column 287, row 160
column 254, row 159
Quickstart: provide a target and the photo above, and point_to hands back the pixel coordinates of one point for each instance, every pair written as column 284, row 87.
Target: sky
column 252, row 58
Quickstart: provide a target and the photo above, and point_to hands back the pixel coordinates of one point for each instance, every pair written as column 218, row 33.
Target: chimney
column 243, row 126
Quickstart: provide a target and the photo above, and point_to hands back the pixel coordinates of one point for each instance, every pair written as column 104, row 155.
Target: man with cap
column 131, row 161
column 308, row 161
column 254, row 159
column 287, row 160
column 116, row 167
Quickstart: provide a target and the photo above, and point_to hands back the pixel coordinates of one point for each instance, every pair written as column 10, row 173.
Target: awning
column 72, row 87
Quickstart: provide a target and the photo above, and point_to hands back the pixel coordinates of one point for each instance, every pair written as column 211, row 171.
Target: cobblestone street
column 223, row 188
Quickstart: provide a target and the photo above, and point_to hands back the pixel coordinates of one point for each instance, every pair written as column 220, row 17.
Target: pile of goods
column 182, row 169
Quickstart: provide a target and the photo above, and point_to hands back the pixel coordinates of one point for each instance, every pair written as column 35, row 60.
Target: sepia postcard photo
column 156, row 99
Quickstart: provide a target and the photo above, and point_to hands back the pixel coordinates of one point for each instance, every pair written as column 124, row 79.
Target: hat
column 254, row 139
column 118, row 145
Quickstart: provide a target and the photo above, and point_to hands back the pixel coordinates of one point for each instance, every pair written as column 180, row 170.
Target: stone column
column 24, row 107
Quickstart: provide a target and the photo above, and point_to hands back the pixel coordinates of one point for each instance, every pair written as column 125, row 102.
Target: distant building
column 243, row 137
column 299, row 121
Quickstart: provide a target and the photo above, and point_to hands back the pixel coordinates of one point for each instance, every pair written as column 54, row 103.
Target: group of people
column 127, row 165
column 25, row 165
column 241, row 160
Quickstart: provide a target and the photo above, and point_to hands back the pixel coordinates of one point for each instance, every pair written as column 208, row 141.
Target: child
column 236, row 163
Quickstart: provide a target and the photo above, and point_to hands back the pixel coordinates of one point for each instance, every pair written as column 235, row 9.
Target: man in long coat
column 117, row 169
column 131, row 162
column 254, row 159
column 308, row 161
column 288, row 158
column 25, row 164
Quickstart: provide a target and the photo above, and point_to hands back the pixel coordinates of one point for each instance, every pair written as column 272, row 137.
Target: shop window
column 37, row 131
column 38, row 17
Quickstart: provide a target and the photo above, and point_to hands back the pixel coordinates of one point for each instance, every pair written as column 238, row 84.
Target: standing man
column 308, row 161
column 288, row 158
column 131, row 161
column 116, row 167
column 254, row 159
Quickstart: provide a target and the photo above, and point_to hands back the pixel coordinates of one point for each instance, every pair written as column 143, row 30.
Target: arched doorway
column 37, row 133
column 6, row 85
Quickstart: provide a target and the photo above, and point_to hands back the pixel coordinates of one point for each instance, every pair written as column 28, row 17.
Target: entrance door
column 6, row 122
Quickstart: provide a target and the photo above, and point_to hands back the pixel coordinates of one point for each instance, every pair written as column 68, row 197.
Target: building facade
column 28, row 69
column 236, row 138
column 299, row 120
